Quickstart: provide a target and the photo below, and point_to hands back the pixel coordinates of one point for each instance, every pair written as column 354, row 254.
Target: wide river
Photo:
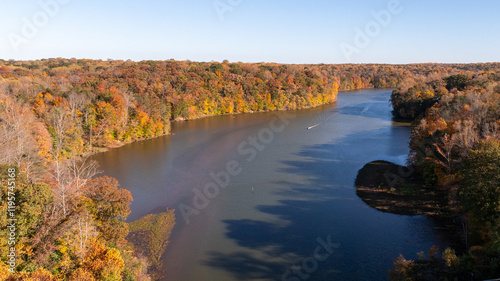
column 262, row 197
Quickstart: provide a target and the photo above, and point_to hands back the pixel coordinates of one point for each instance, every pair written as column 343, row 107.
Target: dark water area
column 262, row 197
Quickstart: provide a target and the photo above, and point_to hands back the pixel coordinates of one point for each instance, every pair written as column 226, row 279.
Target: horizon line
column 248, row 62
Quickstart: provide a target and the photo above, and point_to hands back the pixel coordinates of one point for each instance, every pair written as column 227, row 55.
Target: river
column 262, row 197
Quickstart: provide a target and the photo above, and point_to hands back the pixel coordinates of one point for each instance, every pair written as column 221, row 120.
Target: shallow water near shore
column 255, row 194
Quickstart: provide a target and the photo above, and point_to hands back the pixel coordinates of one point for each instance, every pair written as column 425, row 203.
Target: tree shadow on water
column 322, row 208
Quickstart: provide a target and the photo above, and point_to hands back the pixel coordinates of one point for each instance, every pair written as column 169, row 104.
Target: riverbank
column 395, row 189
column 97, row 150
column 400, row 190
column 150, row 236
column 392, row 188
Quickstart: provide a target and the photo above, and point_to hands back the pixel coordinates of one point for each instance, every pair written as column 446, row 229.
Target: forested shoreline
column 455, row 150
column 54, row 112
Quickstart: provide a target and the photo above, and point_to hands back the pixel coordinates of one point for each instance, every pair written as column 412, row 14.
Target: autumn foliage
column 56, row 112
column 455, row 144
column 83, row 243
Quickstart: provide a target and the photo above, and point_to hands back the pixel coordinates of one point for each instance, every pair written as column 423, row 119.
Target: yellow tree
column 103, row 262
column 109, row 207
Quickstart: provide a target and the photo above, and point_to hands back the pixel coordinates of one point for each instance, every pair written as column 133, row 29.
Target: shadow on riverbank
column 392, row 188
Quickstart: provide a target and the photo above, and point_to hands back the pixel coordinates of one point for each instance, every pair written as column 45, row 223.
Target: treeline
column 73, row 107
column 106, row 103
column 414, row 96
column 455, row 145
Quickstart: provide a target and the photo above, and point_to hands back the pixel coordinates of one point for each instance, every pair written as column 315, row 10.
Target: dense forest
column 455, row 146
column 55, row 112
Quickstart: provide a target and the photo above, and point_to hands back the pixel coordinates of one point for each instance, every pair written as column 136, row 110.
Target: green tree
column 236, row 69
column 32, row 202
column 456, row 81
column 479, row 192
column 216, row 67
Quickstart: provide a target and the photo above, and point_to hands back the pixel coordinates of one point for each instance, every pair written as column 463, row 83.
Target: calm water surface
column 294, row 186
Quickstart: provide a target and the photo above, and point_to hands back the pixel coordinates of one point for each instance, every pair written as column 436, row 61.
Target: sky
column 281, row 31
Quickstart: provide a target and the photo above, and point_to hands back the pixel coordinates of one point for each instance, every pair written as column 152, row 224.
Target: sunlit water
column 290, row 188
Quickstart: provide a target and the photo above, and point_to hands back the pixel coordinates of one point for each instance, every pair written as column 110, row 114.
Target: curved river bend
column 279, row 199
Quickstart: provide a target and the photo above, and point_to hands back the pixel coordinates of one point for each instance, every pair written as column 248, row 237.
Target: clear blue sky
column 284, row 31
